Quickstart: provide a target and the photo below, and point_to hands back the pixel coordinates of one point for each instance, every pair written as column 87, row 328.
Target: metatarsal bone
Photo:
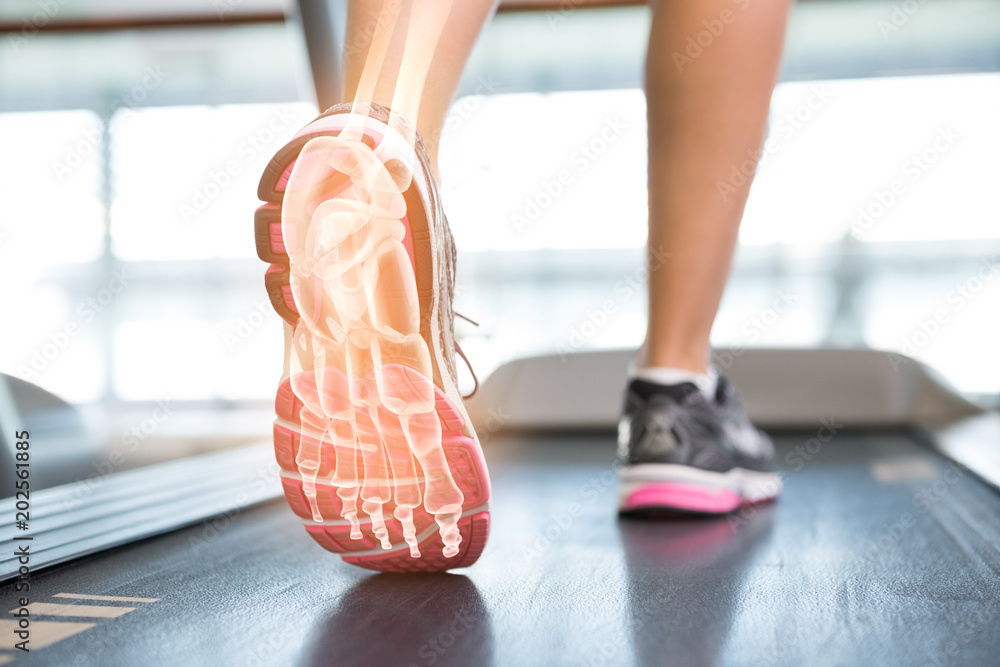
column 442, row 497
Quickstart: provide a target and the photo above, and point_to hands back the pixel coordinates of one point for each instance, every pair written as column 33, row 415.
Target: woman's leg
column 707, row 111
column 392, row 45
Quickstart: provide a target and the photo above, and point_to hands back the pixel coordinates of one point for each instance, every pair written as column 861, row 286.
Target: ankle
column 707, row 382
column 694, row 361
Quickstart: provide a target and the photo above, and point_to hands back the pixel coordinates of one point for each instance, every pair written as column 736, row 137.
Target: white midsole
column 751, row 485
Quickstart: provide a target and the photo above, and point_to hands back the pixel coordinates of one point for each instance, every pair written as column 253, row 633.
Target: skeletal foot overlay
column 360, row 366
column 377, row 454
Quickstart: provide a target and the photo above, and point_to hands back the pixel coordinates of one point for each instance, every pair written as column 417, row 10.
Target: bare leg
column 705, row 113
column 436, row 39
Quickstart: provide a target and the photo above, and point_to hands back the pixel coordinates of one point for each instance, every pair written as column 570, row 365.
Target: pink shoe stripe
column 677, row 495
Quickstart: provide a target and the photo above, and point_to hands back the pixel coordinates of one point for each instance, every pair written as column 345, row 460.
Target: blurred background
column 131, row 157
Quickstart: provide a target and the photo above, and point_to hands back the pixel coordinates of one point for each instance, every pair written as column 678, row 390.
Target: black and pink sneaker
column 683, row 451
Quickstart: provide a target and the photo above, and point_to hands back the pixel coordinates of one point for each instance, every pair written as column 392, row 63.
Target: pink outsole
column 474, row 528
column 680, row 496
column 463, row 461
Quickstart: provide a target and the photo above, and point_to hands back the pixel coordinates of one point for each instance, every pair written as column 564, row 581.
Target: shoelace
column 468, row 364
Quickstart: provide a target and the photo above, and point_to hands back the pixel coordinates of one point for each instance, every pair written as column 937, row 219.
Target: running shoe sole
column 663, row 486
column 378, row 455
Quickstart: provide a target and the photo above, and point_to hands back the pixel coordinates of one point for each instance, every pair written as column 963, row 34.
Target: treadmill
column 884, row 547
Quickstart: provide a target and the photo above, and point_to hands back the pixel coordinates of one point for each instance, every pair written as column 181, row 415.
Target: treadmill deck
column 878, row 552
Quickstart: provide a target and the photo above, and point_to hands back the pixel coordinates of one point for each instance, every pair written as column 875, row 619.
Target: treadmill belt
column 879, row 552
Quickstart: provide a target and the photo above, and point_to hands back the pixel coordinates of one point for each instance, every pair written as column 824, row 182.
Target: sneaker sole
column 650, row 486
column 359, row 405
